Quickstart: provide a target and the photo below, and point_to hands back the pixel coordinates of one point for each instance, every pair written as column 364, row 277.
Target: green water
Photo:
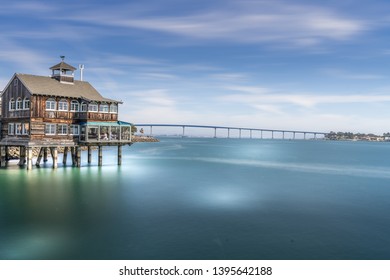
column 204, row 199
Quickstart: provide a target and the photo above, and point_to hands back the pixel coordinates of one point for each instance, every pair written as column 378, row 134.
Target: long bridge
column 305, row 134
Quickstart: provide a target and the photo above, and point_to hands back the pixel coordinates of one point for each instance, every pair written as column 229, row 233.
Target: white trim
column 51, row 125
column 60, row 129
column 18, row 131
column 51, row 100
column 63, row 103
column 93, row 104
column 24, row 131
column 24, row 103
column 73, row 102
column 12, row 130
column 71, row 129
column 12, row 102
column 19, row 104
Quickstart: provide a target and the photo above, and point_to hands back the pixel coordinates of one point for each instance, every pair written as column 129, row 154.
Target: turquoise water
column 204, row 199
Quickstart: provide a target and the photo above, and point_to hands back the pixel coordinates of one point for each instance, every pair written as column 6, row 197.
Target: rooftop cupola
column 63, row 72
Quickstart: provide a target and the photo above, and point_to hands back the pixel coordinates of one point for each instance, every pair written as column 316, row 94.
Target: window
column 12, row 105
column 50, row 129
column 19, row 104
column 25, row 128
column 18, row 128
column 83, row 107
column 74, row 129
column 92, row 107
column 103, row 108
column 114, row 108
column 11, row 129
column 74, row 106
column 15, row 82
column 62, row 129
column 26, row 103
column 50, row 104
column 63, row 105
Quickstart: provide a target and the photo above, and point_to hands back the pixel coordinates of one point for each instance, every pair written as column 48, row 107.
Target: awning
column 118, row 123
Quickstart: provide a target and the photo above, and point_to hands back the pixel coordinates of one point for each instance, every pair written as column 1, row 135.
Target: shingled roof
column 62, row 65
column 41, row 85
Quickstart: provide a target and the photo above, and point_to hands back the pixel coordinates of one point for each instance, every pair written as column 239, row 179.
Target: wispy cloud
column 154, row 97
column 342, row 74
column 258, row 97
column 244, row 21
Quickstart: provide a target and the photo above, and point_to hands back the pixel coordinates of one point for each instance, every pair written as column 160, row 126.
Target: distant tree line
column 356, row 136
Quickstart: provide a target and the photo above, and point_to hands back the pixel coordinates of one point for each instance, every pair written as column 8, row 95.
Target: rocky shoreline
column 137, row 138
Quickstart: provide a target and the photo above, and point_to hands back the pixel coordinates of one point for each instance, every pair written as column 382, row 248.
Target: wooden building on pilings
column 49, row 112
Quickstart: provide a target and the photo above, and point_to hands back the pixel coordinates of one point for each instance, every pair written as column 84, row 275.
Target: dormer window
column 50, row 104
column 12, row 105
column 19, row 104
column 63, row 105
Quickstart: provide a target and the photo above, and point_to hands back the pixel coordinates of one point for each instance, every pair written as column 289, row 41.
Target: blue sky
column 314, row 65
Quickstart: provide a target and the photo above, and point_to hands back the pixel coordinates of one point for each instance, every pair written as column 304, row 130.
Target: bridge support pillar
column 183, row 131
column 272, row 134
column 240, row 133
column 215, row 132
column 250, row 131
column 228, row 132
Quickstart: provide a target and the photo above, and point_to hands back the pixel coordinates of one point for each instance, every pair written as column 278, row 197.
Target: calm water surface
column 204, row 199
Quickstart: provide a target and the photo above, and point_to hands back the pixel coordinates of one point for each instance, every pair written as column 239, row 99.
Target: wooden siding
column 14, row 91
column 37, row 115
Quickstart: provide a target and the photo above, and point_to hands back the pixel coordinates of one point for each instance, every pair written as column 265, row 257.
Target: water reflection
column 200, row 200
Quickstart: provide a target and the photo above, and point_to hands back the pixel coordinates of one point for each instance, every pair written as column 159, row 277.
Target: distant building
column 58, row 111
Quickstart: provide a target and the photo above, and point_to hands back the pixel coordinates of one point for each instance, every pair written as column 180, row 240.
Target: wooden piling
column 119, row 155
column 6, row 153
column 54, row 152
column 73, row 154
column 45, row 154
column 78, row 156
column 40, row 155
column 89, row 154
column 29, row 158
column 100, row 156
column 22, row 155
column 65, row 155
column 2, row 156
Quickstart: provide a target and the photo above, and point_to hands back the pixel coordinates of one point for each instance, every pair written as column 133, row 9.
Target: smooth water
column 204, row 199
